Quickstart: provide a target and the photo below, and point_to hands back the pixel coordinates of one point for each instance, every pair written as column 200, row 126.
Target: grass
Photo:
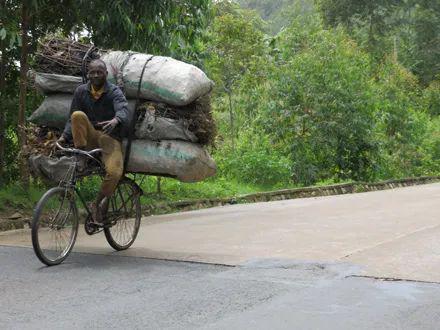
column 172, row 190
column 14, row 197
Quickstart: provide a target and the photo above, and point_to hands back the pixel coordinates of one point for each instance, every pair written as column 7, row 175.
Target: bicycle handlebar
column 78, row 151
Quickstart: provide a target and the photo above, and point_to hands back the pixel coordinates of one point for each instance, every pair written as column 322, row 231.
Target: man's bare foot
column 96, row 214
column 103, row 208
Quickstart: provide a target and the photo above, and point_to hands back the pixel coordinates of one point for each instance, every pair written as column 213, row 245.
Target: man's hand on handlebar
column 62, row 140
column 58, row 143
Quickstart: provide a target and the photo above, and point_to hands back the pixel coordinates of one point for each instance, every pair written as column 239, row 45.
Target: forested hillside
column 278, row 13
column 338, row 94
column 307, row 92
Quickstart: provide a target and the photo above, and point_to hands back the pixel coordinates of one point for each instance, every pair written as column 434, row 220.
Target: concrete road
column 302, row 264
column 111, row 292
column 388, row 234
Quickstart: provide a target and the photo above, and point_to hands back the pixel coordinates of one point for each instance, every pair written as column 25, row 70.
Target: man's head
column 97, row 73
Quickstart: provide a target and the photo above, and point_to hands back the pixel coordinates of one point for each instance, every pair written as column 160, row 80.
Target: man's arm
column 120, row 106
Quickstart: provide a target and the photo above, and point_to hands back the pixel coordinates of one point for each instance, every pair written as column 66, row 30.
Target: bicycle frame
column 71, row 178
column 125, row 205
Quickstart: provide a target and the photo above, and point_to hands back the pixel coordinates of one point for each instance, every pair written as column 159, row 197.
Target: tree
column 159, row 27
column 236, row 44
column 425, row 53
column 167, row 27
column 375, row 15
column 22, row 23
column 278, row 13
column 406, row 28
column 3, row 67
column 321, row 109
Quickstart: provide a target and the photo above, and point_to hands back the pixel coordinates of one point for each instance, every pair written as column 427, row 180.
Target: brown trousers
column 86, row 136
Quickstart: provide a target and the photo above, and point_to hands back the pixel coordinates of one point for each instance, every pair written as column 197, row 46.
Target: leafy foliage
column 161, row 27
column 346, row 92
column 328, row 110
column 165, row 27
column 322, row 107
column 407, row 28
column 431, row 99
column 254, row 161
column 278, row 13
column 236, row 42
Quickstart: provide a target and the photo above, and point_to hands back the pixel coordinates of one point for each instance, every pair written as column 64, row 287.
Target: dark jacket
column 112, row 103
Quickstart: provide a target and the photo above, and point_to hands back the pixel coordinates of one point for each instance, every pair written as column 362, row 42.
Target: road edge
column 284, row 194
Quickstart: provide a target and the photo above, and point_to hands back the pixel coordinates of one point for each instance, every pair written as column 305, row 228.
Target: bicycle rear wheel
column 54, row 226
column 124, row 215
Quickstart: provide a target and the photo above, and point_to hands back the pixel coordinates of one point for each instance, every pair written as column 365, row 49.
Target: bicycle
column 56, row 219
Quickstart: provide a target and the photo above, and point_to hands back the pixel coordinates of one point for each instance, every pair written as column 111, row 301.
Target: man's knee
column 78, row 116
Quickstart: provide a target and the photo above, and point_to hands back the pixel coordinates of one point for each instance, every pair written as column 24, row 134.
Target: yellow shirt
column 96, row 93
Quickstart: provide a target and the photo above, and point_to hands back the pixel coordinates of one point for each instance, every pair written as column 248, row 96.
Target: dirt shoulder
column 11, row 219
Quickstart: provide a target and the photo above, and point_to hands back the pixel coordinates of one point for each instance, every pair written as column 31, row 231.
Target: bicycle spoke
column 123, row 204
column 122, row 200
column 126, row 214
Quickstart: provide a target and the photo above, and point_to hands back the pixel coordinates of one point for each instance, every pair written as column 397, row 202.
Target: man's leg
column 85, row 136
column 113, row 161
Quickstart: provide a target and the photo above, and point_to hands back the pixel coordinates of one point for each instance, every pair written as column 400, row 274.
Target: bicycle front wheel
column 124, row 215
column 54, row 226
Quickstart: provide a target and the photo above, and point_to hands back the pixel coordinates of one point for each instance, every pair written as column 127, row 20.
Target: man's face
column 97, row 74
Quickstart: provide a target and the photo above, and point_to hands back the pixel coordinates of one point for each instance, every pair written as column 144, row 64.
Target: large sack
column 184, row 161
column 181, row 160
column 165, row 79
column 52, row 170
column 48, row 83
column 55, row 109
column 156, row 128
column 53, row 112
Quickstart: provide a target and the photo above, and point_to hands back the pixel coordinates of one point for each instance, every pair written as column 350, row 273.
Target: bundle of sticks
column 40, row 140
column 63, row 56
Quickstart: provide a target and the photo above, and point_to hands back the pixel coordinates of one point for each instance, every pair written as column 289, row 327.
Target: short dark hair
column 98, row 60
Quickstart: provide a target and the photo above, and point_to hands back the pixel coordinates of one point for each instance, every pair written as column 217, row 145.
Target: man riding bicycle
column 99, row 118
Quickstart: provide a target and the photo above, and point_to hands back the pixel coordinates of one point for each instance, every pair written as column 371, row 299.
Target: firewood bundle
column 63, row 56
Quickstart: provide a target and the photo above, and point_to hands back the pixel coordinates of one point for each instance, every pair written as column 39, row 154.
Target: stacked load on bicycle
column 174, row 118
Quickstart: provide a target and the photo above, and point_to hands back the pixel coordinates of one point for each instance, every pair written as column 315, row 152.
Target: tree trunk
column 24, row 172
column 2, row 109
column 372, row 29
column 395, row 51
column 231, row 119
column 158, row 185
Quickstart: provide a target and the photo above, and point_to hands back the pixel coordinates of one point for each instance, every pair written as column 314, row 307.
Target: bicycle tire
column 43, row 226
column 125, row 222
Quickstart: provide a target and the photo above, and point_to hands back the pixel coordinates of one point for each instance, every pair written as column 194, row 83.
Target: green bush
column 401, row 122
column 254, row 160
column 16, row 197
column 322, row 106
column 431, row 98
column 430, row 149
